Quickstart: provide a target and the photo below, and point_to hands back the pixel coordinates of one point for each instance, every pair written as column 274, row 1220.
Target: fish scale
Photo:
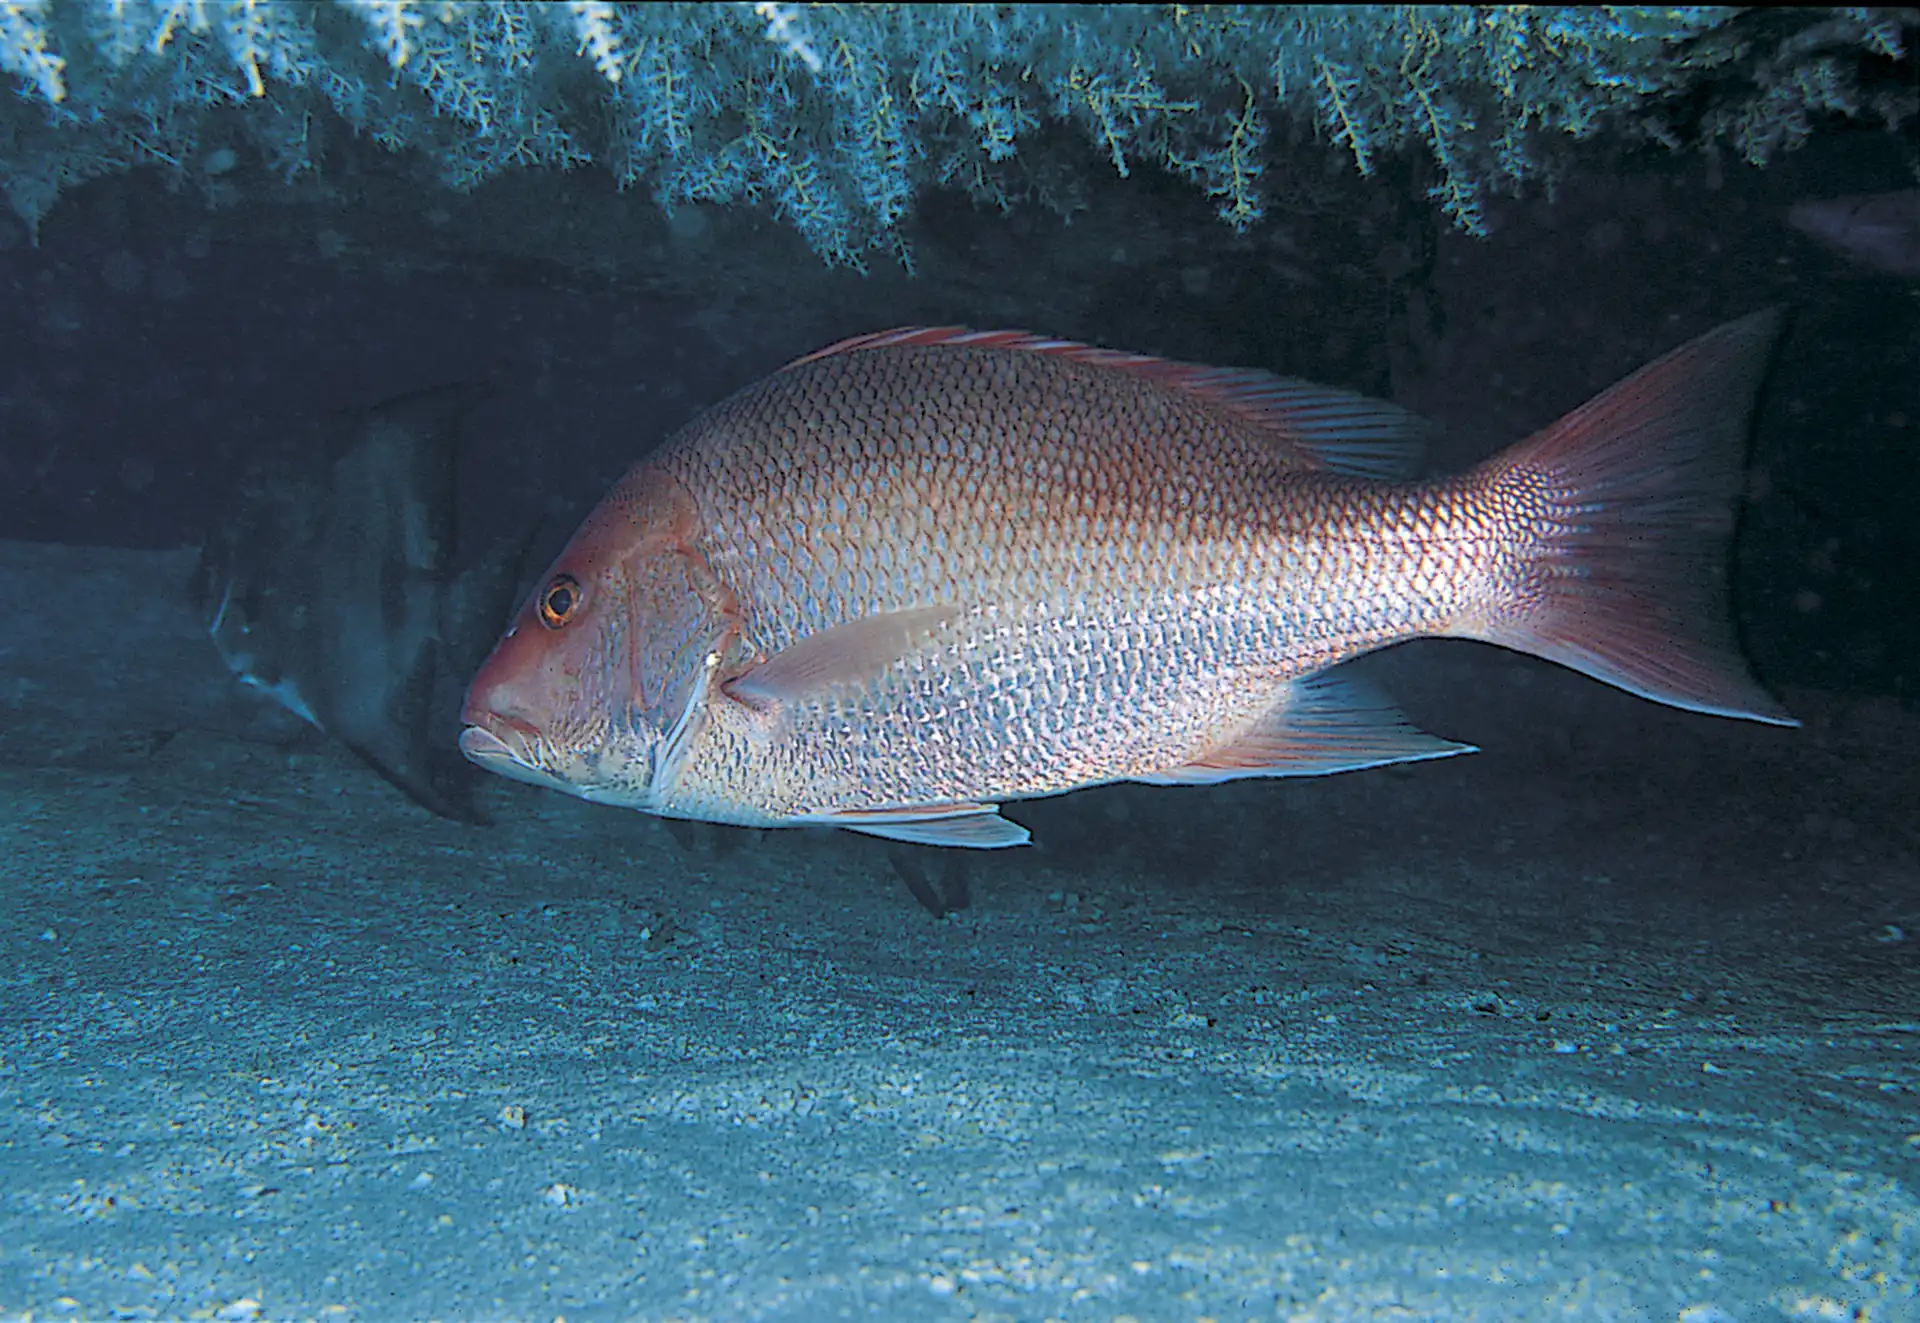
column 1145, row 555
column 1125, row 531
column 923, row 572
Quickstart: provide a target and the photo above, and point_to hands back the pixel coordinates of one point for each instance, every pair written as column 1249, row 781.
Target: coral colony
column 835, row 117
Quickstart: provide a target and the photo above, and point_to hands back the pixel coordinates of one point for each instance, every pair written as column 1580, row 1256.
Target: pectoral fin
column 967, row 826
column 844, row 657
column 1320, row 726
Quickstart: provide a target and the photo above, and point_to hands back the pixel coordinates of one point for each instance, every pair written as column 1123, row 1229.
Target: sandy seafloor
column 1616, row 1020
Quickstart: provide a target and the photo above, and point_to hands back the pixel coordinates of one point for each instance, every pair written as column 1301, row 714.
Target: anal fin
column 967, row 826
column 1319, row 726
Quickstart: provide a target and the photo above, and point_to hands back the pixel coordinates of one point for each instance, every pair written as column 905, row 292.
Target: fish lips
column 501, row 757
column 486, row 749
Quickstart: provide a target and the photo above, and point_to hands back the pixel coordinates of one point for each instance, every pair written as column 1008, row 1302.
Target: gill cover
column 678, row 623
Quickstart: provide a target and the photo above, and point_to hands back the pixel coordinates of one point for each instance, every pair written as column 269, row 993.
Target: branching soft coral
column 836, row 117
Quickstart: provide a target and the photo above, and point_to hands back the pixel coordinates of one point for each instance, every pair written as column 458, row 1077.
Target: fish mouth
column 508, row 758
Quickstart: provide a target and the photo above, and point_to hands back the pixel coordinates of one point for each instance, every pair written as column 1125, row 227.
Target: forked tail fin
column 1623, row 510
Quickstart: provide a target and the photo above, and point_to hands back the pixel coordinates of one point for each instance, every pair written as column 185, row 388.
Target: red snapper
column 922, row 572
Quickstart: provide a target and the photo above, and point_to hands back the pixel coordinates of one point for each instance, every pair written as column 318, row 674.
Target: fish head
column 599, row 677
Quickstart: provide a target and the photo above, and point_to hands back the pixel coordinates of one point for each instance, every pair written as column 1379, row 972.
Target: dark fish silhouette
column 332, row 587
column 1880, row 230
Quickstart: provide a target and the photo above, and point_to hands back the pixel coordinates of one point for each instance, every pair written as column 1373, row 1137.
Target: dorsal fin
column 1329, row 429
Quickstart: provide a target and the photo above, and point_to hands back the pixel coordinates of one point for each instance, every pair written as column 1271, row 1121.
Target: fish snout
column 502, row 712
column 500, row 734
column 506, row 706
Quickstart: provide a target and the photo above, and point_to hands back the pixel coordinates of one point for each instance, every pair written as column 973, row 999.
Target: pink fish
column 923, row 572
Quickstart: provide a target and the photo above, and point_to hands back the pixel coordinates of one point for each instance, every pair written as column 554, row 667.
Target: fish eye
column 559, row 600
